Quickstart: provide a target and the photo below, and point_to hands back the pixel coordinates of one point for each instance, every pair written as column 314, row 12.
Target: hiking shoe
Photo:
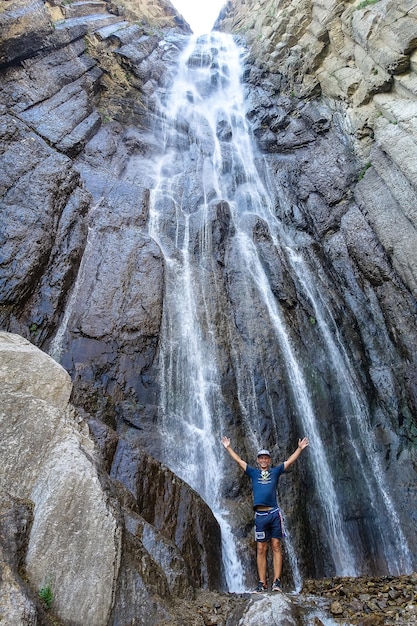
column 261, row 587
column 276, row 585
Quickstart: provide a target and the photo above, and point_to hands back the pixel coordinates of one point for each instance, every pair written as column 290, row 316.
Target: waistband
column 267, row 512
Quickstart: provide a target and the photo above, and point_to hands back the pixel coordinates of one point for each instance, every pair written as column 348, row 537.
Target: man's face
column 263, row 461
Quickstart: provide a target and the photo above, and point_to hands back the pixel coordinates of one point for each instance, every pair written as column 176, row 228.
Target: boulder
column 275, row 610
column 175, row 510
column 46, row 458
column 69, row 528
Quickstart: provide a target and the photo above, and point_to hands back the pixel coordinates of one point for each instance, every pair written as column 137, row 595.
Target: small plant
column 366, row 3
column 46, row 596
column 364, row 170
column 104, row 117
column 34, row 329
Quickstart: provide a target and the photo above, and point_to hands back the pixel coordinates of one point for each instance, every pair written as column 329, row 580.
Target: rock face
column 68, row 527
column 359, row 58
column 321, row 79
column 91, row 237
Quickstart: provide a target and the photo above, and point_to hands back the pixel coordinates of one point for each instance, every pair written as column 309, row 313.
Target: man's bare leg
column 261, row 553
column 276, row 557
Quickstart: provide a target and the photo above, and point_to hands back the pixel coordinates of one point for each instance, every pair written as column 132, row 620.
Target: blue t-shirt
column 264, row 485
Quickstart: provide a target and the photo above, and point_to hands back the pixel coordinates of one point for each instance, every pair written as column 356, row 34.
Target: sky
column 200, row 14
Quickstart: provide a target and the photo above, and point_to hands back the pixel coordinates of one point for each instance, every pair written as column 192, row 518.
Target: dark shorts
column 268, row 525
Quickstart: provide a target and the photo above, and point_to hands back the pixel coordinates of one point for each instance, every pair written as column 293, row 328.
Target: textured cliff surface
column 331, row 102
column 360, row 58
column 106, row 555
column 329, row 97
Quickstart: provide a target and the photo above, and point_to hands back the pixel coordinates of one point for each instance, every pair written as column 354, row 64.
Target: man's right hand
column 235, row 457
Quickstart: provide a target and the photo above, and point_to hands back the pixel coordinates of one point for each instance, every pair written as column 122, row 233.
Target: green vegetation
column 46, row 596
column 89, row 44
column 366, row 3
column 34, row 329
column 105, row 117
column 364, row 170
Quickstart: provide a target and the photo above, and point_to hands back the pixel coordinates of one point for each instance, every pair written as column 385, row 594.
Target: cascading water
column 392, row 539
column 221, row 314
column 191, row 386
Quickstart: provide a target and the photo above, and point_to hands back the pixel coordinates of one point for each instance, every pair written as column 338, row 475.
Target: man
column 268, row 521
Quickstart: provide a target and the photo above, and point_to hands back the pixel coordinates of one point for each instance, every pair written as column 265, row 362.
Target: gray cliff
column 88, row 500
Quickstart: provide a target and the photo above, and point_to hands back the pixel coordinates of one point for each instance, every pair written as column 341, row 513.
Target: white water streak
column 342, row 553
column 55, row 349
column 400, row 561
column 206, row 100
column 188, row 358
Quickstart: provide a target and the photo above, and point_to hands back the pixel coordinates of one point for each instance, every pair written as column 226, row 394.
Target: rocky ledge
column 366, row 601
column 347, row 601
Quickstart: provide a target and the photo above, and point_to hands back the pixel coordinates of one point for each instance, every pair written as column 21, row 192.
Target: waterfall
column 394, row 543
column 191, row 387
column 221, row 314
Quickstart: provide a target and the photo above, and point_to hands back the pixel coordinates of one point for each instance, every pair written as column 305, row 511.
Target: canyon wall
column 360, row 58
column 325, row 67
column 330, row 97
column 75, row 519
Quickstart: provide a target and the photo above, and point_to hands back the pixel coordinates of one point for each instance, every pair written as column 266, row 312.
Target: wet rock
column 86, row 351
column 170, row 559
column 175, row 510
column 42, row 194
column 105, row 438
column 276, row 609
column 38, row 81
column 67, row 119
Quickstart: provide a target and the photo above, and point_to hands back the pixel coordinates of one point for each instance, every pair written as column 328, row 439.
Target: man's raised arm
column 302, row 443
column 235, row 457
